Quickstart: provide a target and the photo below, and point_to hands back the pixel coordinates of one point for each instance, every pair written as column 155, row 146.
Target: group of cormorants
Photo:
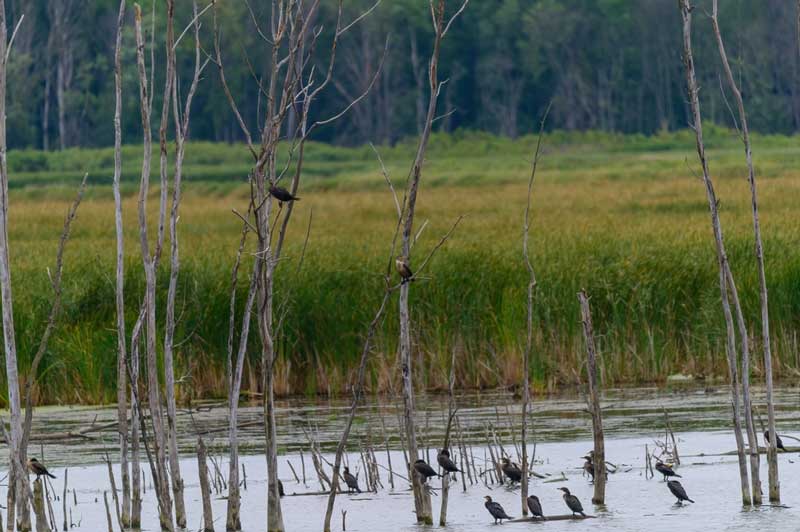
column 535, row 506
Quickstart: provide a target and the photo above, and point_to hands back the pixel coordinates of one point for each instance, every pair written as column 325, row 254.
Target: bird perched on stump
column 572, row 502
column 281, row 194
column 588, row 466
column 535, row 507
column 777, row 439
column 446, row 463
column 424, row 470
column 666, row 470
column 351, row 481
column 401, row 263
column 35, row 467
column 496, row 510
column 677, row 489
column 512, row 471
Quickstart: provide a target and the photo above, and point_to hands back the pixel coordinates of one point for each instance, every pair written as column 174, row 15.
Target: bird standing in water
column 424, row 470
column 666, row 470
column 511, row 470
column 351, row 481
column 572, row 502
column 446, row 463
column 535, row 507
column 281, row 194
column 401, row 263
column 777, row 439
column 588, row 467
column 496, row 510
column 35, row 467
column 677, row 489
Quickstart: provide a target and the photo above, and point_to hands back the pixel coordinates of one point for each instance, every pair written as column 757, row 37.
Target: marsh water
column 633, row 418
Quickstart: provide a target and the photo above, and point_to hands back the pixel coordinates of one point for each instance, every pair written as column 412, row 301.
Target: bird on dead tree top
column 446, row 463
column 36, row 467
column 424, row 470
column 351, row 481
column 281, row 194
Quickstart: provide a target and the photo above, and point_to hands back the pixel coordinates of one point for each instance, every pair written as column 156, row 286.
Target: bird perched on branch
column 511, row 470
column 281, row 194
column 35, row 467
column 446, row 463
column 572, row 502
column 496, row 510
column 777, row 439
column 351, row 481
column 535, row 507
column 401, row 263
column 677, row 489
column 424, row 470
column 666, row 470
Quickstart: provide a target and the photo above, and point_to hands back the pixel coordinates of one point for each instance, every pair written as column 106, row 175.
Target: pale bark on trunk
column 422, row 502
column 526, row 357
column 122, row 377
column 599, row 457
column 154, row 395
column 722, row 258
column 205, row 488
column 18, row 477
column 772, row 450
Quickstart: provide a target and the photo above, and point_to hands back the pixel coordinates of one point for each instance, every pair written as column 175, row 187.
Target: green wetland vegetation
column 622, row 216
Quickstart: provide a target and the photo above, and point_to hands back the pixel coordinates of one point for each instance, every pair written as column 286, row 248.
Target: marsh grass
column 621, row 216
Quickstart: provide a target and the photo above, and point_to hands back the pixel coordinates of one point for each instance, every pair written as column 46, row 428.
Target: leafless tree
column 772, row 449
column 722, row 257
column 293, row 82
column 526, row 357
column 122, row 379
column 440, row 26
column 149, row 260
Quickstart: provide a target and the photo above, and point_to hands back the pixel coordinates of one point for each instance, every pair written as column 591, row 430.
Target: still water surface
column 633, row 418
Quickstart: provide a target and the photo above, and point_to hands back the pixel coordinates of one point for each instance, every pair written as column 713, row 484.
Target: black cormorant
column 588, row 466
column 351, row 481
column 511, row 470
column 35, row 467
column 281, row 194
column 446, row 463
column 777, row 438
column 677, row 490
column 496, row 510
column 424, row 470
column 666, row 470
column 572, row 502
column 535, row 507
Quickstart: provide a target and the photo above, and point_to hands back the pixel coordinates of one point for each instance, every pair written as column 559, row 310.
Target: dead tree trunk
column 17, row 477
column 422, row 503
column 154, row 395
column 122, row 379
column 772, row 450
column 599, row 457
column 205, row 489
column 722, row 258
column 526, row 357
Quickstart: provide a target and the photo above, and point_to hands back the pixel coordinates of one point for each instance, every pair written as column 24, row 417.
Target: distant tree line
column 611, row 65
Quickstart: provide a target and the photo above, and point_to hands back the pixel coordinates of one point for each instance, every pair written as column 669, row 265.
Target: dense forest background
column 611, row 65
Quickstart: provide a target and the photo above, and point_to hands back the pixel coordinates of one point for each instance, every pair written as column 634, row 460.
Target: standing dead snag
column 122, row 393
column 526, row 357
column 722, row 257
column 293, row 84
column 154, row 395
column 422, row 503
column 599, row 458
column 772, row 450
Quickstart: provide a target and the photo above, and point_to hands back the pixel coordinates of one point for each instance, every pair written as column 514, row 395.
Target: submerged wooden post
column 38, row 507
column 205, row 489
column 599, row 458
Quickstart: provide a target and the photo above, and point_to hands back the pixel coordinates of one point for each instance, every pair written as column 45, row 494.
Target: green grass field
column 624, row 217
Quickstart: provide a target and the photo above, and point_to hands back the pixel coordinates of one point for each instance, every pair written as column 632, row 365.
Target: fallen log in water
column 551, row 518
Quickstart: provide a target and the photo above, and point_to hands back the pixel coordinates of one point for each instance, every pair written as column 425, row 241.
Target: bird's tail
column 358, row 489
column 690, row 500
column 677, row 475
column 50, row 475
